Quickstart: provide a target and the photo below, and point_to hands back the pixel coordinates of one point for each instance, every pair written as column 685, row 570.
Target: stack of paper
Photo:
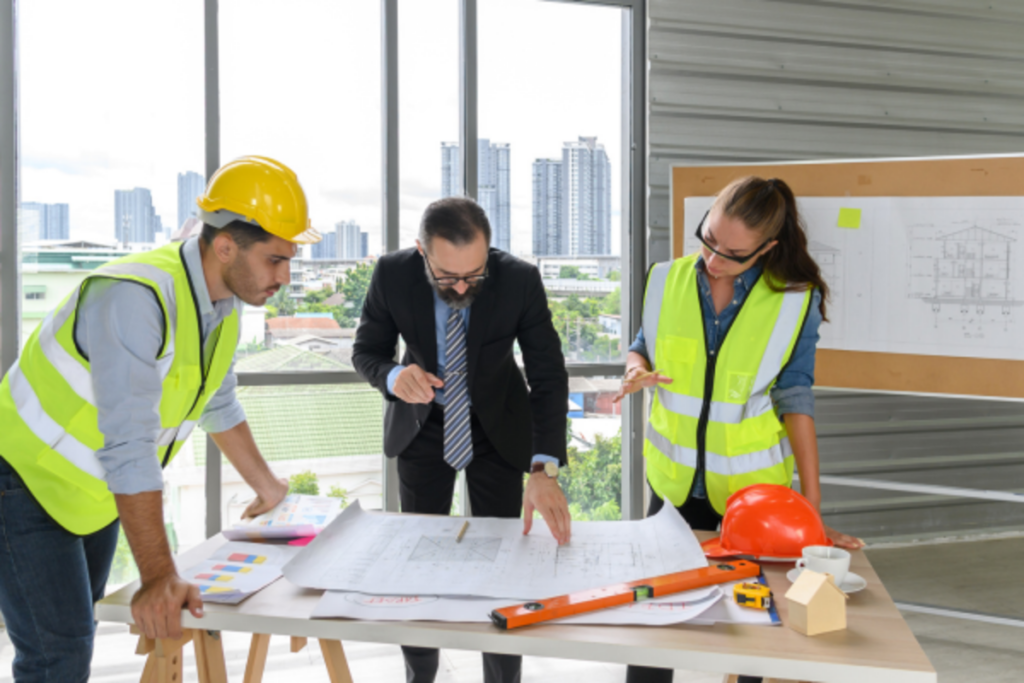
column 296, row 516
column 237, row 570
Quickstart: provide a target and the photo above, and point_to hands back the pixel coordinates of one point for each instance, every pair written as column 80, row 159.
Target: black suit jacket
column 511, row 306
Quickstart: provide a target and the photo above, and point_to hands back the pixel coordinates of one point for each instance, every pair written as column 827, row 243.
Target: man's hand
column 638, row 378
column 266, row 501
column 414, row 385
column 156, row 607
column 842, row 540
column 544, row 495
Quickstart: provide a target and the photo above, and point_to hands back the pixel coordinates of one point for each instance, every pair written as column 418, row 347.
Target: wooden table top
column 877, row 645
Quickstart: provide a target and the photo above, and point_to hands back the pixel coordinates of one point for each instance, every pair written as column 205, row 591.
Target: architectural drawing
column 964, row 275
column 448, row 549
column 394, row 554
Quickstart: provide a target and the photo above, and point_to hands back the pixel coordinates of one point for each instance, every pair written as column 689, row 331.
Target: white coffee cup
column 827, row 560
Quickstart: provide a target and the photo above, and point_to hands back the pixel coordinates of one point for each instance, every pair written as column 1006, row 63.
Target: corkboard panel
column 996, row 176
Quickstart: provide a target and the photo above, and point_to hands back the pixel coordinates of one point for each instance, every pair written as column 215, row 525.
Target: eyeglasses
column 735, row 259
column 452, row 281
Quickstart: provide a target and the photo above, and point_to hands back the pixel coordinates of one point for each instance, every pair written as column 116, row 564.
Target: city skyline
column 135, row 219
column 347, row 242
column 191, row 185
column 534, row 102
column 40, row 221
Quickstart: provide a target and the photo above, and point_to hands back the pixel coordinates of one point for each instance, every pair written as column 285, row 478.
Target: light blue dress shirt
column 120, row 330
column 441, row 313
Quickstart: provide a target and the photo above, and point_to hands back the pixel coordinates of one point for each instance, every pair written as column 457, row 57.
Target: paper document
column 672, row 609
column 726, row 611
column 237, row 570
column 395, row 554
column 295, row 516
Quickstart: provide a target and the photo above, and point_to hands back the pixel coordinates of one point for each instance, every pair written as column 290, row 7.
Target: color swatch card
column 237, row 570
column 296, row 516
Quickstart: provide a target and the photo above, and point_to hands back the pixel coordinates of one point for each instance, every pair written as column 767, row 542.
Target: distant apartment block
column 40, row 221
column 493, row 185
column 190, row 186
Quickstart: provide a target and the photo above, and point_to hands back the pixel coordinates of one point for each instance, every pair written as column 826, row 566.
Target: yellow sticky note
column 849, row 218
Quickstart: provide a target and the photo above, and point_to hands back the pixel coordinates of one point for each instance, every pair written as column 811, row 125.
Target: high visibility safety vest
column 717, row 411
column 50, row 433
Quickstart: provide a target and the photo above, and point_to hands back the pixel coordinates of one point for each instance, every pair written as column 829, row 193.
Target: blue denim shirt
column 792, row 392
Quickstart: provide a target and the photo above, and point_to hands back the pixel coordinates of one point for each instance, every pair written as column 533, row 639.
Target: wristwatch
column 548, row 468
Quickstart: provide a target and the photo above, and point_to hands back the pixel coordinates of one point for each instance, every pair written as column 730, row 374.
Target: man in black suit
column 458, row 400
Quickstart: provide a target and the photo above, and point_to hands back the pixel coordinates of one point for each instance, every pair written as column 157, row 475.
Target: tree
column 614, row 275
column 304, row 482
column 593, row 480
column 612, row 304
column 569, row 272
column 338, row 492
column 354, row 289
column 282, row 302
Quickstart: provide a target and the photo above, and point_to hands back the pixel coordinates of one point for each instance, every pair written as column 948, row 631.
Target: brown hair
column 456, row 219
column 769, row 207
column 244, row 234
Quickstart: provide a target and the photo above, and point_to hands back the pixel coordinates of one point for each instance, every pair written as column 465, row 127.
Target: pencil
column 462, row 531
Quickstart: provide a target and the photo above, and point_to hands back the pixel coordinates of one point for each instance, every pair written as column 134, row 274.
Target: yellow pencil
column 462, row 531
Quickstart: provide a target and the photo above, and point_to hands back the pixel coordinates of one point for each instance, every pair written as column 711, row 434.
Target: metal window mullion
column 389, row 185
column 468, row 161
column 211, row 50
column 10, row 301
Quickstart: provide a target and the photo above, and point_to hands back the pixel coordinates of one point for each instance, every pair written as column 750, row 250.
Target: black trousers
column 699, row 514
column 426, row 485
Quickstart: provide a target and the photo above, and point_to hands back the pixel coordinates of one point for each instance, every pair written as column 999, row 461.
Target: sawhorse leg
column 164, row 660
column 164, row 657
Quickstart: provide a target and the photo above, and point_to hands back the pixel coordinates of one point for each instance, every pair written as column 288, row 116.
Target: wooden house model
column 816, row 604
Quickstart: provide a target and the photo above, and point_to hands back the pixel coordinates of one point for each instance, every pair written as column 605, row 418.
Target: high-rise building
column 451, row 185
column 493, row 185
column 364, row 246
column 587, row 196
column 350, row 244
column 44, row 222
column 326, row 249
column 547, row 208
column 190, row 186
column 572, row 202
column 134, row 217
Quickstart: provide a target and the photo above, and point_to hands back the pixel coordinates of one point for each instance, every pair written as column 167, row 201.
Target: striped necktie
column 458, row 435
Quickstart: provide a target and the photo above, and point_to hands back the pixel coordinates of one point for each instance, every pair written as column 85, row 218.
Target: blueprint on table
column 395, row 554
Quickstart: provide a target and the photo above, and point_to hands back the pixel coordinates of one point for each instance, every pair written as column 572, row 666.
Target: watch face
column 551, row 469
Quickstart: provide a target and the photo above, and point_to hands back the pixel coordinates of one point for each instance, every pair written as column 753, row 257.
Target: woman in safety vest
column 730, row 333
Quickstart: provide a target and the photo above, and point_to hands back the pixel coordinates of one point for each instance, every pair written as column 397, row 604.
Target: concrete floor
column 979, row 576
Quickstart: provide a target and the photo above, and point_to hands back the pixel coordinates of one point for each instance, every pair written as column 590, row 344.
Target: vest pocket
column 675, row 357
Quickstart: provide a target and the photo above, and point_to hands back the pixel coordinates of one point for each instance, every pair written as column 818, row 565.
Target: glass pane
column 339, row 453
column 109, row 122
column 553, row 118
column 593, row 480
column 428, row 102
column 315, row 107
column 104, row 138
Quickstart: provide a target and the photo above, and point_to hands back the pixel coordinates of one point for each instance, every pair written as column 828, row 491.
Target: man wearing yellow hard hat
column 103, row 396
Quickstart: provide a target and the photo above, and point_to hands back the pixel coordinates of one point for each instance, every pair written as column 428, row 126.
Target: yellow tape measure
column 755, row 595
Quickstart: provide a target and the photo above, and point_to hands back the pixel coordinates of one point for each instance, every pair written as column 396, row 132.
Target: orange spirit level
column 621, row 594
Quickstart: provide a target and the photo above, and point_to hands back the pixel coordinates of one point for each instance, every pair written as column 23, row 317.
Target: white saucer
column 851, row 584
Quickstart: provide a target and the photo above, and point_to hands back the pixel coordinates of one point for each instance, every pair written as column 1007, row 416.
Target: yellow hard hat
column 261, row 191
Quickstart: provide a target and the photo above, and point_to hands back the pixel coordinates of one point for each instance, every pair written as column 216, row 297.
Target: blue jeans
column 49, row 581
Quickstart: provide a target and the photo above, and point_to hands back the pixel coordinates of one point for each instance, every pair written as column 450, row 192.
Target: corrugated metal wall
column 772, row 80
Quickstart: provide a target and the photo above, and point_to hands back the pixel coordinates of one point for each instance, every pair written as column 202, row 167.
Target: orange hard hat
column 767, row 521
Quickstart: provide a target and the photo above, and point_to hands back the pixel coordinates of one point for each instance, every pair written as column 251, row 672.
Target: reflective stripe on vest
column 728, row 466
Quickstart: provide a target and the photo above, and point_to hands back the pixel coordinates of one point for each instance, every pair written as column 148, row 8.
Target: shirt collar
column 747, row 278
column 194, row 265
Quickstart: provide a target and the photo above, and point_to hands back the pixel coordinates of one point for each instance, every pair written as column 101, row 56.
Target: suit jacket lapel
column 480, row 319
column 426, row 330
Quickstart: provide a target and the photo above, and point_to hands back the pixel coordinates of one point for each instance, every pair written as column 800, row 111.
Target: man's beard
column 453, row 299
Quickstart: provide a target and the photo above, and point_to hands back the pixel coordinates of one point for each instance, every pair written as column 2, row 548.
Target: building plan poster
column 395, row 554
column 939, row 276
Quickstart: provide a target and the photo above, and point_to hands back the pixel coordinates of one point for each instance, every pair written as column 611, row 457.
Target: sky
column 111, row 96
